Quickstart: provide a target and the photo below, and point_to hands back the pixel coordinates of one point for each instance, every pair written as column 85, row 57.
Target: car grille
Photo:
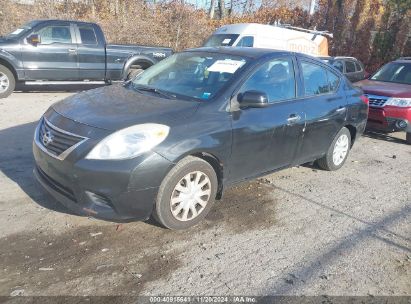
column 376, row 101
column 56, row 141
column 67, row 192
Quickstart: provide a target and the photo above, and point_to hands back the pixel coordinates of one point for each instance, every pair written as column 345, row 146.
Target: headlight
column 398, row 102
column 129, row 142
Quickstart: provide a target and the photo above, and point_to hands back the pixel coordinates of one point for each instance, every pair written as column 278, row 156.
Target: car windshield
column 190, row 75
column 21, row 30
column 397, row 72
column 221, row 40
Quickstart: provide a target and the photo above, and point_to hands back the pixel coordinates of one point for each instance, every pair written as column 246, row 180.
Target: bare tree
column 221, row 7
column 212, row 8
column 246, row 6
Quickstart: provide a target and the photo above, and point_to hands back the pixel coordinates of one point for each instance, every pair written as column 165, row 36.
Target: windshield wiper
column 154, row 90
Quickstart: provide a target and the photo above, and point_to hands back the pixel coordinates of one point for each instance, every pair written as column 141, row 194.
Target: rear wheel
column 408, row 138
column 7, row 82
column 337, row 152
column 186, row 194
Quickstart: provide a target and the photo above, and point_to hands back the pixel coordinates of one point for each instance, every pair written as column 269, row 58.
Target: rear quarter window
column 315, row 79
column 319, row 80
column 333, row 80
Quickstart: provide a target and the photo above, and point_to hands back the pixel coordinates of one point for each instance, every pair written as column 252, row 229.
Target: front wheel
column 337, row 152
column 408, row 138
column 186, row 194
column 132, row 73
column 7, row 82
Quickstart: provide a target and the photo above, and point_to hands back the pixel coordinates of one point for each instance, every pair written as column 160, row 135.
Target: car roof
column 38, row 21
column 249, row 52
column 255, row 53
column 403, row 60
column 337, row 57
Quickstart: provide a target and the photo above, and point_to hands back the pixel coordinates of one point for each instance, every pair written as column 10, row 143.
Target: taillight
column 364, row 99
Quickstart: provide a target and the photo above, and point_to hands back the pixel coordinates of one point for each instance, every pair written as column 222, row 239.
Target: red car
column 389, row 94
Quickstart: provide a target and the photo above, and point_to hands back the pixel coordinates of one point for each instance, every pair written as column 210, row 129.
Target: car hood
column 4, row 41
column 389, row 89
column 116, row 107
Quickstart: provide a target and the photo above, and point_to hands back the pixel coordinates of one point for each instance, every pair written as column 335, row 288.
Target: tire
column 189, row 168
column 133, row 73
column 341, row 142
column 408, row 138
column 7, row 82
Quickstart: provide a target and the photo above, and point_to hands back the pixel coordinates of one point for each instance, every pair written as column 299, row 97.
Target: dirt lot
column 298, row 231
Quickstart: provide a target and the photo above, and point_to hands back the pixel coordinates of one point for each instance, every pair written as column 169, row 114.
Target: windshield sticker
column 226, row 66
column 226, row 41
column 16, row 32
column 206, row 95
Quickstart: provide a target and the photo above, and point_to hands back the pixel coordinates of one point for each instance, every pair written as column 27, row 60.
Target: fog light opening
column 99, row 200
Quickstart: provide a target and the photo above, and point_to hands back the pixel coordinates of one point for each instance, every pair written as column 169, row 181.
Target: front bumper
column 113, row 190
column 389, row 119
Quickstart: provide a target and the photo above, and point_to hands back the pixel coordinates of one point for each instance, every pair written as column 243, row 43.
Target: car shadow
column 303, row 275
column 383, row 136
column 17, row 163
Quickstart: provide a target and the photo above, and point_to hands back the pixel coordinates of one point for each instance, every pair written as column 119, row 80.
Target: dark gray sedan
column 168, row 143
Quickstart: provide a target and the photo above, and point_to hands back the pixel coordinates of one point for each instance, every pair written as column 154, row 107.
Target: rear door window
column 87, row 35
column 349, row 66
column 315, row 79
column 358, row 67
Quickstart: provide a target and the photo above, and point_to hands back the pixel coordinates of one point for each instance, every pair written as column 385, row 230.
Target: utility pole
column 312, row 7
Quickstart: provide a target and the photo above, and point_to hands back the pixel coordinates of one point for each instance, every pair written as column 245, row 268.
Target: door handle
column 342, row 109
column 72, row 51
column 293, row 118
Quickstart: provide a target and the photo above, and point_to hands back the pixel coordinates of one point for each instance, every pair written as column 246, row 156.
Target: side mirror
column 253, row 99
column 34, row 39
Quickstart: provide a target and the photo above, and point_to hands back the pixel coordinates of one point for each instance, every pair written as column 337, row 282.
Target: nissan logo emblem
column 47, row 138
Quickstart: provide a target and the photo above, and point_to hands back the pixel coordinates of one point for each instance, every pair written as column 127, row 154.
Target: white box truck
column 279, row 37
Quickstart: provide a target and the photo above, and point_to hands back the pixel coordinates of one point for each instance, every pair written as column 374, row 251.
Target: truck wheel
column 408, row 138
column 337, row 152
column 7, row 82
column 132, row 73
column 186, row 194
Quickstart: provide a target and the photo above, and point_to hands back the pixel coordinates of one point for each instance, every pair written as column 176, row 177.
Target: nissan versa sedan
column 167, row 143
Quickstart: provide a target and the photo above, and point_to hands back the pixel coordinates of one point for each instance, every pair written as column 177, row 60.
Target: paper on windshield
column 226, row 41
column 18, row 31
column 226, row 66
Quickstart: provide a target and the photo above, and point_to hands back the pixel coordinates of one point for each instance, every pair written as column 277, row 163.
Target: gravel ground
column 301, row 231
